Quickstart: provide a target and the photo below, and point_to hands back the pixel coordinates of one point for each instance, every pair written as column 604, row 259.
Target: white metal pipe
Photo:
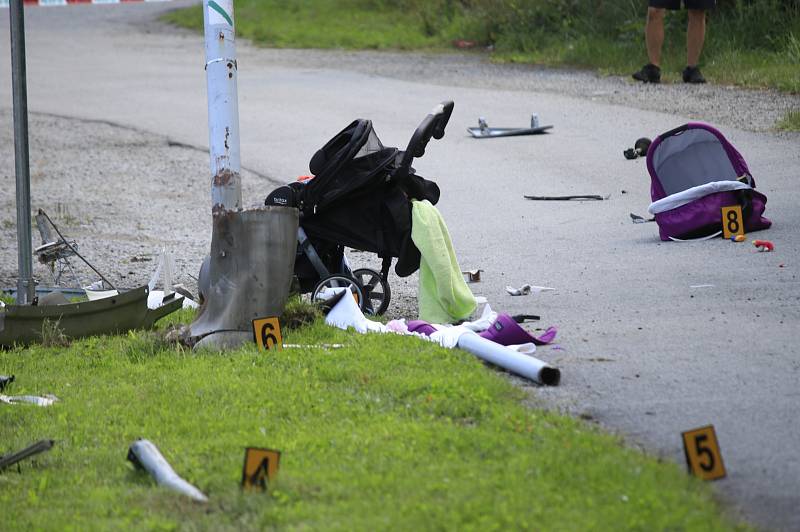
column 223, row 105
column 524, row 365
column 144, row 454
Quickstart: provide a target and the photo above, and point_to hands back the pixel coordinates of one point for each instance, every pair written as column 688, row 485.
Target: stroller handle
column 431, row 127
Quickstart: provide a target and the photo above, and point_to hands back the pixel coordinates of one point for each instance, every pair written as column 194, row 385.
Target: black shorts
column 690, row 4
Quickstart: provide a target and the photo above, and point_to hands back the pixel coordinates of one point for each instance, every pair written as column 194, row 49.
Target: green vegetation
column 753, row 43
column 387, row 432
column 351, row 24
column 790, row 122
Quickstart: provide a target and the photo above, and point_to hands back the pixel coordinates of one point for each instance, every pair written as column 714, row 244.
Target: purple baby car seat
column 695, row 172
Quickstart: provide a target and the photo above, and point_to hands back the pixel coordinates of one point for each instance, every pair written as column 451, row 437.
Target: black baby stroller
column 360, row 197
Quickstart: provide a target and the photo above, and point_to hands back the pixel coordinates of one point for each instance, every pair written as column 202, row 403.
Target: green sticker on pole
column 220, row 12
column 702, row 453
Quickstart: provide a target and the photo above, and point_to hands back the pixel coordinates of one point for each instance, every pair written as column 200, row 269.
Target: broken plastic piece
column 506, row 331
column 568, row 198
column 764, row 245
column 639, row 149
column 484, row 131
column 472, row 276
column 32, row 450
column 45, row 400
column 145, row 455
column 22, row 324
column 641, row 219
column 5, row 380
column 738, row 238
column 526, row 289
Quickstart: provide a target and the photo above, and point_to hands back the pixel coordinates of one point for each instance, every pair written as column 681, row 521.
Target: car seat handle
column 442, row 113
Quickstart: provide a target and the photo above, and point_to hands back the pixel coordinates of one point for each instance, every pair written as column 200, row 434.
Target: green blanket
column 443, row 296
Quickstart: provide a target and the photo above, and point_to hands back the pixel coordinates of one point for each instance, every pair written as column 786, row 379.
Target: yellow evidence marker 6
column 260, row 467
column 702, row 453
column 732, row 221
column 267, row 333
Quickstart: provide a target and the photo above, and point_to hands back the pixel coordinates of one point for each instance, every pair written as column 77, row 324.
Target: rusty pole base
column 251, row 269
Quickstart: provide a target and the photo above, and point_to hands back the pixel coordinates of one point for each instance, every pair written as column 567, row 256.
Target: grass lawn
column 388, row 432
column 317, row 24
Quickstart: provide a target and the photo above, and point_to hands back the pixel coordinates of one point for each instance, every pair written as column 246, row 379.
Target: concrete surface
column 643, row 354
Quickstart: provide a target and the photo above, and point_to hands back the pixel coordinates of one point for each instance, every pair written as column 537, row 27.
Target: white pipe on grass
column 147, row 456
column 499, row 355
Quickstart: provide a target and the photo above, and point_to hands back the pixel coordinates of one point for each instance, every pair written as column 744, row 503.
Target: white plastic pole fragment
column 223, row 105
column 147, row 456
column 46, row 400
column 515, row 362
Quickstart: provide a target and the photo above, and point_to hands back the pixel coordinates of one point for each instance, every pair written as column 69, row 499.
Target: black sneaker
column 691, row 74
column 648, row 74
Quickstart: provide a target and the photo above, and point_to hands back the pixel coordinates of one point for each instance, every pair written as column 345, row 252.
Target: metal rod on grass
column 25, row 285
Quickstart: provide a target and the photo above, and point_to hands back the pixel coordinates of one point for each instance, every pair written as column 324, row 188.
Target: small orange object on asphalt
column 764, row 245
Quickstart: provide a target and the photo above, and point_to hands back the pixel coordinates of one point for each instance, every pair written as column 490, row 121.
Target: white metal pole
column 223, row 105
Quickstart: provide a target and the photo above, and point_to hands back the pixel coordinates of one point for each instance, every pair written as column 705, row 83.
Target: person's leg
column 654, row 34
column 695, row 36
column 654, row 38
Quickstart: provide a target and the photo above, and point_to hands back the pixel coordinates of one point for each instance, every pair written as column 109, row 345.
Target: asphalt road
column 642, row 352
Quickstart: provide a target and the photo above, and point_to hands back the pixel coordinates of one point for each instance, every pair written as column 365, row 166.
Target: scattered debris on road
column 639, row 149
column 584, row 197
column 484, row 131
column 472, row 276
column 764, row 245
column 526, row 289
column 635, row 218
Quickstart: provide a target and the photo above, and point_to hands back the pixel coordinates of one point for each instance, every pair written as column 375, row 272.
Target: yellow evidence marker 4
column 260, row 467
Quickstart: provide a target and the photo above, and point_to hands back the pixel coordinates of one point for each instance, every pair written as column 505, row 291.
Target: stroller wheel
column 339, row 281
column 376, row 290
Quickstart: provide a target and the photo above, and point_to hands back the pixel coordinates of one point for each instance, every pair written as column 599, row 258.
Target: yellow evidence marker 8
column 702, row 453
column 732, row 221
column 260, row 467
column 267, row 333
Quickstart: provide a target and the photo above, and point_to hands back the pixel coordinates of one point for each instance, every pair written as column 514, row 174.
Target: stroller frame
column 369, row 287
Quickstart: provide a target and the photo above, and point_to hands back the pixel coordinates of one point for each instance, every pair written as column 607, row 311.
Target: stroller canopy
column 690, row 156
column 346, row 163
